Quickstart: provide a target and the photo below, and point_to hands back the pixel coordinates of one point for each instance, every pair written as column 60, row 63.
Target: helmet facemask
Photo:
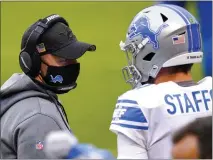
column 130, row 72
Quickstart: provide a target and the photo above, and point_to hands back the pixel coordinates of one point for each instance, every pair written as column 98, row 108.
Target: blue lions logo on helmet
column 142, row 27
column 57, row 78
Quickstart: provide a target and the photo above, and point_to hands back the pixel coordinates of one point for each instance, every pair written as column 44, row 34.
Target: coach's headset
column 29, row 58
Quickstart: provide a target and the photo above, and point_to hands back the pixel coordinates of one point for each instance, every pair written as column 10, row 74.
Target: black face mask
column 62, row 78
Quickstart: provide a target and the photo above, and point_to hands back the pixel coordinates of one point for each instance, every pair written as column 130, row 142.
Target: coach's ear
column 31, row 135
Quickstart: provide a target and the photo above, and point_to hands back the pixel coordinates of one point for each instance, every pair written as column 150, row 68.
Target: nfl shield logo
column 39, row 145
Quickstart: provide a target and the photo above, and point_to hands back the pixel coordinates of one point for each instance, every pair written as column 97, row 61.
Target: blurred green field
column 91, row 104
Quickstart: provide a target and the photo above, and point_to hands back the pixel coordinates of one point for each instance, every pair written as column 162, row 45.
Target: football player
column 162, row 44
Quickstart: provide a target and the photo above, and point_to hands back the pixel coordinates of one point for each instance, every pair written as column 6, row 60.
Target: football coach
column 30, row 108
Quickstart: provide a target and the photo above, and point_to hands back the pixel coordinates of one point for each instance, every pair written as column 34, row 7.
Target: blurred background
column 90, row 106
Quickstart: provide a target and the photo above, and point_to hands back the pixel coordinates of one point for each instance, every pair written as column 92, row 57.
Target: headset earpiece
column 25, row 62
column 30, row 65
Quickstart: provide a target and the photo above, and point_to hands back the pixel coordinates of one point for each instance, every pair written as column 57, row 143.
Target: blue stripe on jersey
column 127, row 101
column 174, row 8
column 133, row 114
column 132, row 126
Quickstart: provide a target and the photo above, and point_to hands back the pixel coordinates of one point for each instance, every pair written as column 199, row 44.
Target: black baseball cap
column 60, row 41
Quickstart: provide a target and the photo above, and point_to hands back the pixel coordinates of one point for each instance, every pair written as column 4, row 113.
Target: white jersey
column 146, row 117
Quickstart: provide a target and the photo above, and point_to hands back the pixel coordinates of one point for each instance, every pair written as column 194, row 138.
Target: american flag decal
column 40, row 48
column 179, row 39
